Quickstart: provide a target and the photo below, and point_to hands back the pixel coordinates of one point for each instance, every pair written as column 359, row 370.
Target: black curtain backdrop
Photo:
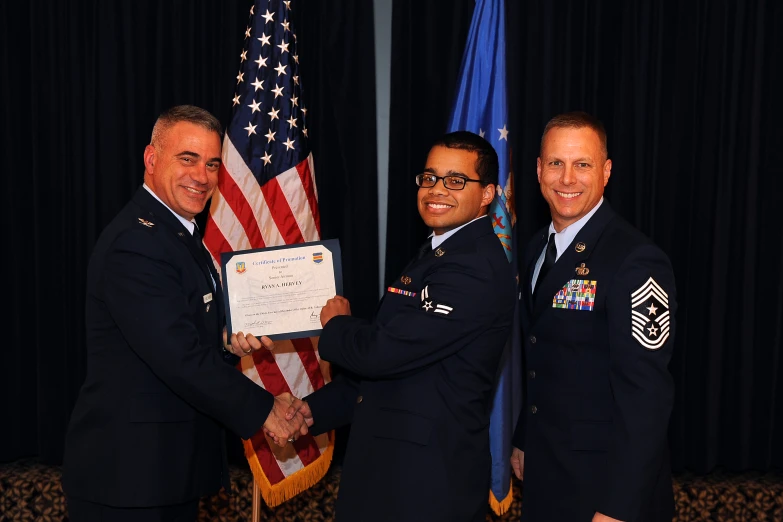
column 82, row 85
column 689, row 93
column 686, row 90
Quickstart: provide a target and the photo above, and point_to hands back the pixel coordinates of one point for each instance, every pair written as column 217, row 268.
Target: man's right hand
column 518, row 462
column 300, row 407
column 280, row 429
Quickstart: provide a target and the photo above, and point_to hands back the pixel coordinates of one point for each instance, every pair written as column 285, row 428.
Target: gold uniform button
column 358, row 399
column 532, row 339
column 531, row 374
column 533, row 409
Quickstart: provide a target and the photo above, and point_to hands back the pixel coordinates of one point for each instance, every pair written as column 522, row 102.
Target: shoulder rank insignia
column 429, row 304
column 405, row 280
column 582, row 270
column 650, row 315
column 148, row 224
column 439, row 252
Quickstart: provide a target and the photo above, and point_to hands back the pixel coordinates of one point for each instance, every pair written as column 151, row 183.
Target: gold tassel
column 501, row 506
column 289, row 487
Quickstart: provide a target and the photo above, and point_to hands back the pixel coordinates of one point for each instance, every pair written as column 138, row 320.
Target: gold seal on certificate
column 279, row 291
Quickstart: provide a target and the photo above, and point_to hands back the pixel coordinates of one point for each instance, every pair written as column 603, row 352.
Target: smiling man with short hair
column 418, row 380
column 598, row 306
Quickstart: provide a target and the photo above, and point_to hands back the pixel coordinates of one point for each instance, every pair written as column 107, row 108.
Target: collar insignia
column 439, row 252
column 146, row 223
column 580, row 247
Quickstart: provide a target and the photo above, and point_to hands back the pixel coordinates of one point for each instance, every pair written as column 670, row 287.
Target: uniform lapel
column 571, row 259
column 533, row 252
column 158, row 213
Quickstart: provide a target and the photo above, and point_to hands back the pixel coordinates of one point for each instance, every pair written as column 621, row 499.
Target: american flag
column 480, row 107
column 267, row 197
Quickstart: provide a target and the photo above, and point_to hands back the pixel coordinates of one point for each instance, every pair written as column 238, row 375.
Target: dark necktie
column 549, row 261
column 203, row 250
column 424, row 249
column 197, row 238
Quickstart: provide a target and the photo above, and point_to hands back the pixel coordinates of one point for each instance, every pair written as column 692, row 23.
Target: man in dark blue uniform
column 146, row 436
column 418, row 381
column 598, row 305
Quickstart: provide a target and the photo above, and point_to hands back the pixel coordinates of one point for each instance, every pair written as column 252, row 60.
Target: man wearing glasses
column 418, row 381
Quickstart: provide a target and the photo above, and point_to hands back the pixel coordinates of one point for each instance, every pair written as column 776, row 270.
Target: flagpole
column 256, row 515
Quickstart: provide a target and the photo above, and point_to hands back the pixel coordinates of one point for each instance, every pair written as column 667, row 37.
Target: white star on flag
column 289, row 144
column 270, row 136
column 283, row 47
column 255, row 106
column 251, row 129
column 273, row 114
column 258, row 84
column 267, row 158
column 264, row 40
column 268, row 16
column 278, row 90
column 503, row 133
column 261, row 61
column 280, row 69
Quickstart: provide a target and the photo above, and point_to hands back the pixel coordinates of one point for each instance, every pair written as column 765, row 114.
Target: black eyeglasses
column 450, row 182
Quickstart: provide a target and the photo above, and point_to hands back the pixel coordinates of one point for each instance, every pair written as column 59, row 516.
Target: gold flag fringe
column 289, row 487
column 501, row 506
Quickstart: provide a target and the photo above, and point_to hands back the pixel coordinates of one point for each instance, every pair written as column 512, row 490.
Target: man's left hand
column 337, row 305
column 245, row 344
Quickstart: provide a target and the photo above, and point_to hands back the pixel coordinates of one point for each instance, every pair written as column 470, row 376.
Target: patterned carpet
column 30, row 491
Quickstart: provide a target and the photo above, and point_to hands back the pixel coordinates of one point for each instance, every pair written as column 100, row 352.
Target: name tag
column 208, row 297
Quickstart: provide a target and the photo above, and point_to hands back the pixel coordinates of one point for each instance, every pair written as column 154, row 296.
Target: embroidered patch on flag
column 650, row 315
column 577, row 294
column 400, row 291
column 429, row 304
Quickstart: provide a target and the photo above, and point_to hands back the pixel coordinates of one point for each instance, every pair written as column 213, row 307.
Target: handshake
column 290, row 417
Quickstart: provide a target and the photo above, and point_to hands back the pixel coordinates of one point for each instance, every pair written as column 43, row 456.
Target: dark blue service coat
column 598, row 339
column 147, row 428
column 421, row 386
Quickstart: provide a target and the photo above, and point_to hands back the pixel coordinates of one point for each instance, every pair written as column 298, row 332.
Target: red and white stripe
column 244, row 215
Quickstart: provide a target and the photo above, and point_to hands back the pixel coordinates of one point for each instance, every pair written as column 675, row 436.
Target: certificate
column 279, row 291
